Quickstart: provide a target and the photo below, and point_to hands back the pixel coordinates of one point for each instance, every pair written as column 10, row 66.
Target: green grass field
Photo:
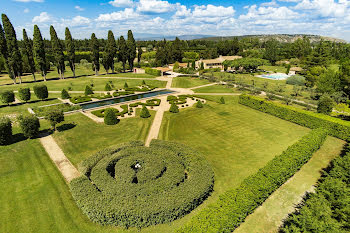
column 129, row 75
column 188, row 82
column 215, row 89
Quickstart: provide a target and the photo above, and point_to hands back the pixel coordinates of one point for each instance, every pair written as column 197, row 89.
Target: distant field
column 188, row 82
column 129, row 75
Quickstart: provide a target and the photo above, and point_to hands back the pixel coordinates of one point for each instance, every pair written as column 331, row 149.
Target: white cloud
column 80, row 21
column 213, row 11
column 127, row 13
column 325, row 8
column 42, row 18
column 155, row 6
column 28, row 0
column 26, row 10
column 273, row 3
column 261, row 14
column 78, row 8
column 122, row 3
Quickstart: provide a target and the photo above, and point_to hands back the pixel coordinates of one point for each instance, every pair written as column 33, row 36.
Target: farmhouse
column 215, row 63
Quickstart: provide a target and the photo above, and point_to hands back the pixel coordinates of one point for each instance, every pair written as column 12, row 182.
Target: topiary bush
column 24, row 94
column 88, row 90
column 131, row 185
column 222, row 100
column 65, row 94
column 144, row 112
column 41, row 92
column 108, row 87
column 5, row 131
column 110, row 117
column 174, row 108
column 199, row 104
column 7, row 97
column 30, row 125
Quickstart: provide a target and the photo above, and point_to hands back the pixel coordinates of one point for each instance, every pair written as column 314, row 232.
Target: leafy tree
column 131, row 44
column 222, row 100
column 54, row 117
column 325, row 105
column 123, row 51
column 88, row 90
column 108, row 87
column 177, row 53
column 139, row 54
column 41, row 91
column 271, row 51
column 110, row 117
column 65, row 94
column 144, row 112
column 14, row 56
column 28, row 51
column 7, row 97
column 319, row 55
column 126, row 85
column 202, row 66
column 174, row 108
column 312, row 75
column 39, row 51
column 110, row 52
column 288, row 69
column 5, row 131
column 57, row 51
column 70, row 47
column 24, row 94
column 30, row 125
column 301, row 48
column 95, row 55
column 199, row 104
column 328, row 82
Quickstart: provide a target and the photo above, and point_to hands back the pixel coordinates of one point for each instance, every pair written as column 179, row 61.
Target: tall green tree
column 110, row 52
column 28, row 51
column 95, row 56
column 131, row 44
column 57, row 51
column 139, row 54
column 123, row 51
column 70, row 47
column 177, row 53
column 14, row 56
column 3, row 51
column 39, row 52
column 271, row 51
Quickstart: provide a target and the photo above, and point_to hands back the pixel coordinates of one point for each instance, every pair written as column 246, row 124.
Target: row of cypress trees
column 34, row 51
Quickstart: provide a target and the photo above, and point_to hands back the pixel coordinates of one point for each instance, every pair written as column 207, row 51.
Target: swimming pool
column 277, row 76
column 116, row 100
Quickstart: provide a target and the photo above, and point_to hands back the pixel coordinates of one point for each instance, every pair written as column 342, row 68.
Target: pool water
column 278, row 76
column 122, row 99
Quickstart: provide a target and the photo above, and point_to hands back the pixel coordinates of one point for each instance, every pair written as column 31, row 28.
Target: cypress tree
column 177, row 53
column 131, row 44
column 57, row 51
column 95, row 49
column 110, row 52
column 14, row 56
column 144, row 112
column 199, row 104
column 139, row 55
column 3, row 51
column 222, row 100
column 174, row 108
column 65, row 94
column 39, row 51
column 28, row 51
column 123, row 51
column 70, row 47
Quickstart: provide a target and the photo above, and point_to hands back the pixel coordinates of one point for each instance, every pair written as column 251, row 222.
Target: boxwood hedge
column 235, row 205
column 336, row 127
column 80, row 99
column 151, row 102
column 100, row 112
column 132, row 185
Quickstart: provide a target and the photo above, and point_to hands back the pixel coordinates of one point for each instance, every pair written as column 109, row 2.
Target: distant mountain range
column 279, row 37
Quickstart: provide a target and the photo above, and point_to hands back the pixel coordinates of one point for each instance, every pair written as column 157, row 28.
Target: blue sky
column 159, row 17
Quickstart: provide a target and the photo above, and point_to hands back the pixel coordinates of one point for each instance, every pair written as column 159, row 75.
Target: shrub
column 143, row 83
column 296, row 80
column 336, row 127
column 65, row 94
column 199, row 104
column 152, row 186
column 41, row 92
column 108, row 87
column 126, row 85
column 153, row 71
column 24, row 94
column 174, row 108
column 54, row 117
column 235, row 205
column 110, row 117
column 325, row 105
column 222, row 100
column 30, row 125
column 5, row 131
column 88, row 90
column 7, row 97
column 144, row 112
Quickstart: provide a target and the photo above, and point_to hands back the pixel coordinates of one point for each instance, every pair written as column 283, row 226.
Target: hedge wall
column 153, row 71
column 80, row 99
column 132, row 185
column 336, row 127
column 101, row 112
column 235, row 205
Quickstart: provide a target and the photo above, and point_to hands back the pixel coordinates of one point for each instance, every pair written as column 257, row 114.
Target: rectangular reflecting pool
column 121, row 99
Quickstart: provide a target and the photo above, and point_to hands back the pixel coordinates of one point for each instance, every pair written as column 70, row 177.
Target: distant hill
column 280, row 37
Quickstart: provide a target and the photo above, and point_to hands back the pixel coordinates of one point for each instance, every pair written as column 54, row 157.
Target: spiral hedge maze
column 131, row 185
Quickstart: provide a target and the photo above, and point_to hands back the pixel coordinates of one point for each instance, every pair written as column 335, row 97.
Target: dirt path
column 206, row 85
column 219, row 94
column 56, row 154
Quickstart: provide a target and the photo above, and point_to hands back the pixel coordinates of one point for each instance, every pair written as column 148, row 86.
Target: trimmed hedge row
column 101, row 112
column 336, row 127
column 132, row 185
column 151, row 102
column 153, row 71
column 80, row 99
column 120, row 93
column 178, row 100
column 235, row 205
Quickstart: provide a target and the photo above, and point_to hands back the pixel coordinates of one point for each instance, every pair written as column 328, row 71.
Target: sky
column 181, row 17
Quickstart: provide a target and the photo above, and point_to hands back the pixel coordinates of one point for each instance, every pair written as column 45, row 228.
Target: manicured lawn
column 129, row 75
column 269, row 216
column 88, row 137
column 187, row 82
column 214, row 89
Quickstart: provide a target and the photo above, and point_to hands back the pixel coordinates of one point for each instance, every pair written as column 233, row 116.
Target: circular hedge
column 135, row 186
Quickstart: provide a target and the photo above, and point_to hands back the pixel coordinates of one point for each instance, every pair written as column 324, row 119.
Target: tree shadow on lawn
column 29, row 102
column 66, row 126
